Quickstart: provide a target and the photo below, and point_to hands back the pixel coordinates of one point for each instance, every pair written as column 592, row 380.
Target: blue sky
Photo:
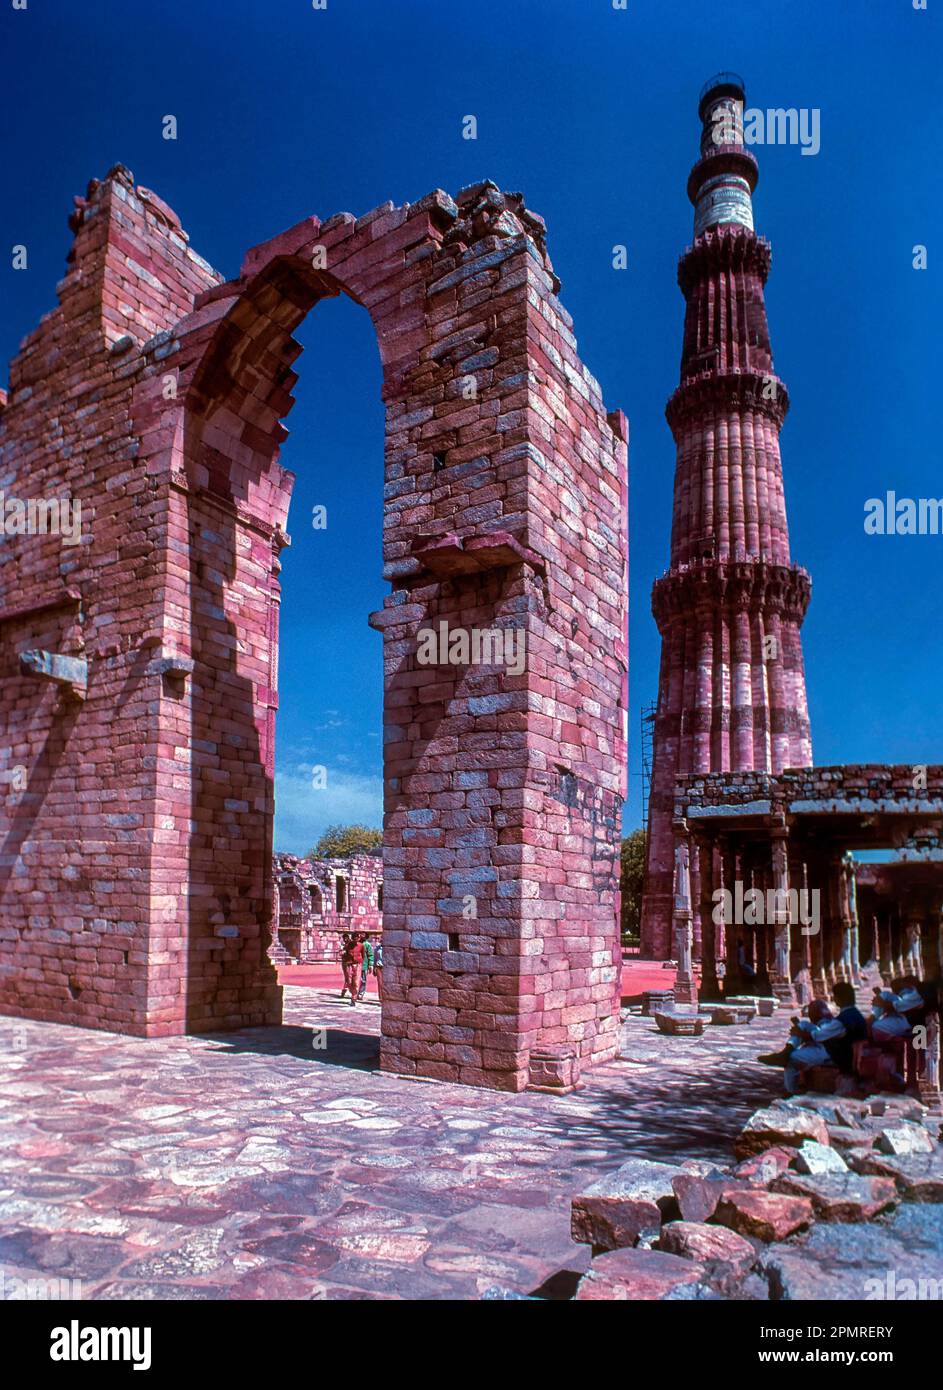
column 285, row 111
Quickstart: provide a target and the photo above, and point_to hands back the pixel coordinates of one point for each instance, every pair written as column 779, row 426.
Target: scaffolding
column 648, row 728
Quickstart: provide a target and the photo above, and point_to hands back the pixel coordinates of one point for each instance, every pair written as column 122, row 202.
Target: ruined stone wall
column 505, row 511
column 81, row 825
column 855, row 788
column 312, row 912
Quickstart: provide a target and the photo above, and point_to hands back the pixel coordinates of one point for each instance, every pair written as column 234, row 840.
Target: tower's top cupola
column 721, row 183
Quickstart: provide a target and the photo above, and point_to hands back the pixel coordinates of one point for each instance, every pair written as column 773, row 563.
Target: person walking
column 378, row 968
column 367, row 963
column 356, row 965
column 346, row 962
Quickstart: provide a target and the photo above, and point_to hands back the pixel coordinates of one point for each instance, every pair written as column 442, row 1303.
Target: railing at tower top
column 721, row 79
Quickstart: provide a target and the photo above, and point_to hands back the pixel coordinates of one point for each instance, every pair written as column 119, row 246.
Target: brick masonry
column 136, row 865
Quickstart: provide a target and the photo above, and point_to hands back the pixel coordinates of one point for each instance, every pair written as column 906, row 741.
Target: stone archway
column 504, row 540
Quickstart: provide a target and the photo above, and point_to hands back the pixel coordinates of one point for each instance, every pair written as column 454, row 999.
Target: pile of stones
column 823, row 1194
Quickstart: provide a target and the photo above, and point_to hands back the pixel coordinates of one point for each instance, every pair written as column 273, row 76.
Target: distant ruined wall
column 317, row 900
column 137, row 864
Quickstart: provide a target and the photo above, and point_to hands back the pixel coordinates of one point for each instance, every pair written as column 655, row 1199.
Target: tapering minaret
column 731, row 692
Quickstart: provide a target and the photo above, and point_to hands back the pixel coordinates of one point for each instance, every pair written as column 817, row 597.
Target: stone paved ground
column 250, row 1165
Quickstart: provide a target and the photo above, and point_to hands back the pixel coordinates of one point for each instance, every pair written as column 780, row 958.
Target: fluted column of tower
column 731, row 690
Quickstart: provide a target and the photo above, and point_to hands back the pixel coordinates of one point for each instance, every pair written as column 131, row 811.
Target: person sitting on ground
column 805, row 1046
column 894, row 1010
column 841, row 1048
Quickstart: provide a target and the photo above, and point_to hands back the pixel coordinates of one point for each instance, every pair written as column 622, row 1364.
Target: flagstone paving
column 255, row 1165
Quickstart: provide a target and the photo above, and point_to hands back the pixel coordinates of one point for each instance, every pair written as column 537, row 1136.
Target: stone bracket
column 68, row 672
column 171, row 664
column 455, row 555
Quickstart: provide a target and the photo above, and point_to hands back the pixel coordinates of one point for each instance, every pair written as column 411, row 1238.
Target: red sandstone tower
column 731, row 692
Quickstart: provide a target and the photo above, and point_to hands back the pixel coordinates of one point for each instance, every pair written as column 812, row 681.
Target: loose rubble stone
column 919, row 1177
column 723, row 1015
column 816, row 1158
column 840, row 1196
column 680, row 1025
column 904, row 1139
column 616, row 1210
column 844, row 1139
column 767, row 1216
column 698, row 1196
column 765, row 1166
column 696, row 1241
column 880, row 1260
column 775, row 1126
column 637, row 1275
column 746, row 1003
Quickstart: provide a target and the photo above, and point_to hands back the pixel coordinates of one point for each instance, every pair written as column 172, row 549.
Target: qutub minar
column 731, row 694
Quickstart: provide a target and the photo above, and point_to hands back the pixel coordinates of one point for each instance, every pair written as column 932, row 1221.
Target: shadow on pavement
column 358, row 1051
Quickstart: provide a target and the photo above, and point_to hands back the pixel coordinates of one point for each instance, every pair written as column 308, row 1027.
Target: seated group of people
column 827, row 1039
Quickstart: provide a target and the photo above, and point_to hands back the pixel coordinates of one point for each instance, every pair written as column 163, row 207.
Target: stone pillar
column 928, row 1083
column 817, row 943
column 697, row 945
column 749, row 936
column 780, row 970
column 725, row 942
column 885, row 944
column 803, row 978
column 898, row 956
column 913, row 961
column 848, row 904
column 685, row 989
column 834, row 933
column 711, row 959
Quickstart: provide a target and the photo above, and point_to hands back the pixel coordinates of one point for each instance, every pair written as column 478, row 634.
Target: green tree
column 339, row 841
column 631, row 879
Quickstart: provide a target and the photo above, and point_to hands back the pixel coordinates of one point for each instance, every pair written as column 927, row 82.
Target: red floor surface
column 637, row 975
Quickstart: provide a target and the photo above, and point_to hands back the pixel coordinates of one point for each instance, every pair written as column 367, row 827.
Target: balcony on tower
column 721, row 183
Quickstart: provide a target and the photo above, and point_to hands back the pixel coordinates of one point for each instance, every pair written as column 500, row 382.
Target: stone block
column 778, row 1127
column 767, row 1216
column 637, row 1276
column 840, row 1196
column 904, row 1139
column 694, row 1240
column 815, row 1158
column 613, row 1212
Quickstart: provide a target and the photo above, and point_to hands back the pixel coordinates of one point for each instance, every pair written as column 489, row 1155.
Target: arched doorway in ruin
column 504, row 544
